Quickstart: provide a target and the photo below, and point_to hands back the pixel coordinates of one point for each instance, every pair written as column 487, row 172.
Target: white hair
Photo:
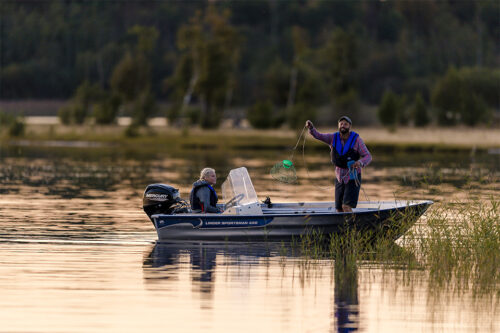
column 205, row 172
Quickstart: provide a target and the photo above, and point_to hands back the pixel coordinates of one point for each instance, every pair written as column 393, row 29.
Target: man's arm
column 204, row 195
column 325, row 137
column 363, row 151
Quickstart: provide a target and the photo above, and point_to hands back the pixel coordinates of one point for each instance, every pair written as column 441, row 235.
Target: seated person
column 203, row 197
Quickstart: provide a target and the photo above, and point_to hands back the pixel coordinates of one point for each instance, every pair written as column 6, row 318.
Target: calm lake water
column 78, row 254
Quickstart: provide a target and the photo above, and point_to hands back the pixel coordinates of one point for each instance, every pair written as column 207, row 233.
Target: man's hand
column 357, row 165
column 309, row 124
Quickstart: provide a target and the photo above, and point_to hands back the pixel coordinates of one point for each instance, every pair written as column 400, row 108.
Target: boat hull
column 388, row 220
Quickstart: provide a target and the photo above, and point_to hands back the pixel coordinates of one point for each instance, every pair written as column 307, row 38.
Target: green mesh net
column 284, row 172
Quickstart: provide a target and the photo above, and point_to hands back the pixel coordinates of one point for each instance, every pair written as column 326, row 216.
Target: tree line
column 280, row 61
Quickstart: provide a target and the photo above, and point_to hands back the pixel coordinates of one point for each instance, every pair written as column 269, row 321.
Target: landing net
column 284, row 172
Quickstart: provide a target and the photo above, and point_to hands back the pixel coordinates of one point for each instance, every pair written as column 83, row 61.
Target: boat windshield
column 238, row 187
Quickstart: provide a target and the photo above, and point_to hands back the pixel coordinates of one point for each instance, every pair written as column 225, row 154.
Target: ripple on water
column 78, row 254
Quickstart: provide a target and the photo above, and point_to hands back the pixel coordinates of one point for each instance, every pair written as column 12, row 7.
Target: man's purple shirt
column 359, row 146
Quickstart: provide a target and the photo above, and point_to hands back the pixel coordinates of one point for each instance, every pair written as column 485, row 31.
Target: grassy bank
column 406, row 139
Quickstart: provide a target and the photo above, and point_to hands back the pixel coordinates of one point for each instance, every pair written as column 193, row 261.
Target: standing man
column 347, row 150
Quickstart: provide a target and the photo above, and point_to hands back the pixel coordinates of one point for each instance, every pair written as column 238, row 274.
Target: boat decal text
column 207, row 223
column 156, row 196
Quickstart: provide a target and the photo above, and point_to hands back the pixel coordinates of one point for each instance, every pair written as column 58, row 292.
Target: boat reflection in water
column 166, row 262
column 166, row 259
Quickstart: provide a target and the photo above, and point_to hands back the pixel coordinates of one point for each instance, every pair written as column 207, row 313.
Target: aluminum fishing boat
column 245, row 218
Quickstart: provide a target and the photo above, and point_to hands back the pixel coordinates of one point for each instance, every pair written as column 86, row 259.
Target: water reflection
column 164, row 261
column 62, row 200
column 346, row 296
column 165, row 257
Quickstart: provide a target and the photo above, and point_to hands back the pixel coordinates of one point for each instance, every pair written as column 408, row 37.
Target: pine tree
column 419, row 113
column 388, row 110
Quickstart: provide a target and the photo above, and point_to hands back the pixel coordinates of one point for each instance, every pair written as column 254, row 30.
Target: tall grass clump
column 349, row 245
column 456, row 247
column 460, row 246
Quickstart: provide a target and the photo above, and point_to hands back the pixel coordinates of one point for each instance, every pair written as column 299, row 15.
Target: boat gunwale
column 425, row 203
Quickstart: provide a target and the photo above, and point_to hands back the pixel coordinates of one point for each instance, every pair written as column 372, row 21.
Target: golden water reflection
column 77, row 254
column 80, row 287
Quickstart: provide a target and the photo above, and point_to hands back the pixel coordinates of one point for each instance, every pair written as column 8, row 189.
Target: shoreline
column 411, row 138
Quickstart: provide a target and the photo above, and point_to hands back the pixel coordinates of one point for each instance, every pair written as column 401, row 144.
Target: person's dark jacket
column 203, row 198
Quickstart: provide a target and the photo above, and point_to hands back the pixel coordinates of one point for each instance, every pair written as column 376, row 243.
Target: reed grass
column 456, row 246
column 460, row 245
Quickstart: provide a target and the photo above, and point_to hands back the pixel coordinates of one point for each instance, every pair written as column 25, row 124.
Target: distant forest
column 272, row 57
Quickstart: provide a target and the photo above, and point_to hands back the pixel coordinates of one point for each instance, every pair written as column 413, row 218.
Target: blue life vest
column 341, row 154
column 195, row 201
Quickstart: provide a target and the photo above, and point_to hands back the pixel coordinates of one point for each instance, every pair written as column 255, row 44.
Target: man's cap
column 346, row 118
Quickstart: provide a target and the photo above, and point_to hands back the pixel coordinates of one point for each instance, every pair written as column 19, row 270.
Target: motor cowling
column 162, row 199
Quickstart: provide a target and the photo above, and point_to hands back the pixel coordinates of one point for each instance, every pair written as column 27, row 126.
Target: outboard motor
column 163, row 199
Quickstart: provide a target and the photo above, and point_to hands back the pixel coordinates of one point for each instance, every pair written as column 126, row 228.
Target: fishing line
column 305, row 164
column 300, row 136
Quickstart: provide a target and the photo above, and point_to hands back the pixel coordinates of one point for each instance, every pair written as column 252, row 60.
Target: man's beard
column 343, row 130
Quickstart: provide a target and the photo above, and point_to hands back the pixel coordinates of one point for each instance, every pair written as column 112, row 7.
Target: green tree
column 131, row 78
column 88, row 93
column 144, row 107
column 466, row 95
column 276, row 82
column 263, row 115
column 14, row 124
column 339, row 58
column 81, row 104
column 348, row 102
column 474, row 110
column 358, row 48
column 404, row 112
column 419, row 112
column 484, row 82
column 300, row 47
column 181, row 87
column 17, row 127
column 209, row 45
column 299, row 114
column 388, row 110
column 106, row 110
column 65, row 114
column 446, row 97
